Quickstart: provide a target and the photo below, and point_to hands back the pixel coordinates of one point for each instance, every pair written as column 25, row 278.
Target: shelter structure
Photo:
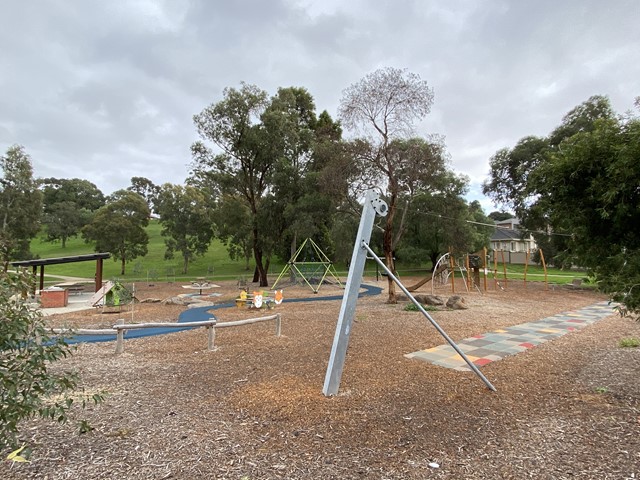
column 42, row 262
column 311, row 265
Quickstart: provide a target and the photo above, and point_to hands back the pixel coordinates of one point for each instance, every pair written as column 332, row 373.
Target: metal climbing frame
column 372, row 205
column 306, row 270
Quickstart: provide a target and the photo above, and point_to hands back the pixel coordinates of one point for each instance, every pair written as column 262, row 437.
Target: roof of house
column 506, row 234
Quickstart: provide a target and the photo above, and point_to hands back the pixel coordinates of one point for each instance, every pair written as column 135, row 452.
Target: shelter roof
column 57, row 260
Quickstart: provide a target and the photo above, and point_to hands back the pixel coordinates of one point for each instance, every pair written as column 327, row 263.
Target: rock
column 433, row 300
column 176, row 301
column 456, row 302
column 150, row 300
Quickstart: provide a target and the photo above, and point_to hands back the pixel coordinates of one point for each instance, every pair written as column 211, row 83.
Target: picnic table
column 200, row 286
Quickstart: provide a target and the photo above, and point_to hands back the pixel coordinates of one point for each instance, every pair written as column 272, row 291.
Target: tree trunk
column 185, row 264
column 434, row 257
column 260, row 273
column 122, row 265
column 294, row 249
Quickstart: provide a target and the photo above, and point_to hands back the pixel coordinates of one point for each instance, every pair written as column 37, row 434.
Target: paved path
column 496, row 345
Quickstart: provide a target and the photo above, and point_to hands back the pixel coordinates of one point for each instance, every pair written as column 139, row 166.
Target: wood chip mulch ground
column 254, row 408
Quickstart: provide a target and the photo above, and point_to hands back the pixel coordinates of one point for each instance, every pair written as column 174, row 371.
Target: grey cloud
column 106, row 90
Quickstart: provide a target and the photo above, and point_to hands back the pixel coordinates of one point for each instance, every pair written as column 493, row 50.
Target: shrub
column 630, row 342
column 28, row 387
column 411, row 307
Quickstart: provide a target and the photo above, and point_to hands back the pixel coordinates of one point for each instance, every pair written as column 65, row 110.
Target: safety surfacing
column 493, row 346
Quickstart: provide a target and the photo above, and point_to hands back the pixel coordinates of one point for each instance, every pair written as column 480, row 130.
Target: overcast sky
column 106, row 90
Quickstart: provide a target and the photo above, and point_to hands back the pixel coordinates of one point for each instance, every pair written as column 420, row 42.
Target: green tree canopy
column 119, row 227
column 69, row 205
column 83, row 193
column 187, row 221
column 499, row 216
column 583, row 189
column 20, row 205
column 440, row 220
column 146, row 189
column 266, row 151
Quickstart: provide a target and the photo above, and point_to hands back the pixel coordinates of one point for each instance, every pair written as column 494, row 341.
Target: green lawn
column 216, row 264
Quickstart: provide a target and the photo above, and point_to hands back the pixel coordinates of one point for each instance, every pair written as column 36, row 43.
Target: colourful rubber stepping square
column 516, row 331
column 527, row 345
column 510, row 340
column 482, row 361
column 433, row 349
column 481, row 352
column 450, row 363
column 494, row 358
column 477, row 342
column 438, row 355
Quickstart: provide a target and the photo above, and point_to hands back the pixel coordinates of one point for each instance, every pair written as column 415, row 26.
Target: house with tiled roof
column 508, row 238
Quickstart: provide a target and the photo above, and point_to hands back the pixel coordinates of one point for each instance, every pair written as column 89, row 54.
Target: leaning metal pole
column 372, row 206
column 472, row 366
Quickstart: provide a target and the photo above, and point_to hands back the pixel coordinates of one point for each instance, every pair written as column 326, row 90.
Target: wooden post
column 484, row 266
column 278, row 325
column 495, row 270
column 467, row 266
column 504, row 268
column 212, row 338
column 526, row 264
column 120, row 337
column 544, row 265
column 98, row 278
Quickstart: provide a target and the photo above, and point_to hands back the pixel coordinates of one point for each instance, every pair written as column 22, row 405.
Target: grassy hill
column 216, row 264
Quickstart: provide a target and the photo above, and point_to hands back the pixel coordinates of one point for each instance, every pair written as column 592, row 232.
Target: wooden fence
column 120, row 328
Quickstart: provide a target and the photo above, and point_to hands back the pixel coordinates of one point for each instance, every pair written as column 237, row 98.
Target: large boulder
column 456, row 302
column 433, row 300
column 179, row 300
column 151, row 300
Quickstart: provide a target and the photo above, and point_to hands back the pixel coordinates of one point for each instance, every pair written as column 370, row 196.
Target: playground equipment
column 259, row 299
column 311, row 265
column 372, row 205
column 501, row 281
column 113, row 294
column 474, row 269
